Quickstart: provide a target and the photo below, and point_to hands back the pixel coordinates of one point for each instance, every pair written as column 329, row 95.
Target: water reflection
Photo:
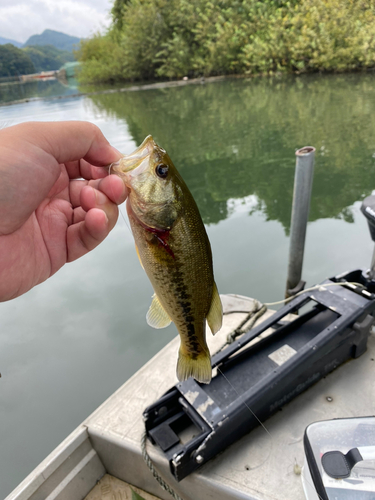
column 16, row 91
column 237, row 138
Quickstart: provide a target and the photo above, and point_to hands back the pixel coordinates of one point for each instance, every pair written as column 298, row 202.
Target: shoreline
column 133, row 88
column 176, row 83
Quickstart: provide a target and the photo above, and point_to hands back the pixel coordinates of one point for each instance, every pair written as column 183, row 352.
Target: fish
column 174, row 250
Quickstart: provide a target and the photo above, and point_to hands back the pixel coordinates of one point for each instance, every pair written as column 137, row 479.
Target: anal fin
column 156, row 316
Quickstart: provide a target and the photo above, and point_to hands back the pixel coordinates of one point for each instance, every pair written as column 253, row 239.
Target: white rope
column 316, row 287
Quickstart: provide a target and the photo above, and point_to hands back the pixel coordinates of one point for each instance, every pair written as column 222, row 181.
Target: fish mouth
column 137, row 162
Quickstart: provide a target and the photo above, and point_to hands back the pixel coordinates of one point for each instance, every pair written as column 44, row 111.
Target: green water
column 69, row 343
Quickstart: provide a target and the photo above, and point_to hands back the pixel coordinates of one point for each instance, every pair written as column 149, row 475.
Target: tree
column 118, row 12
column 47, row 57
column 14, row 61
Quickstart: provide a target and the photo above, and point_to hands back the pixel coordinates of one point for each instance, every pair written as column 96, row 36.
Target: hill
column 3, row 41
column 48, row 57
column 14, row 61
column 56, row 38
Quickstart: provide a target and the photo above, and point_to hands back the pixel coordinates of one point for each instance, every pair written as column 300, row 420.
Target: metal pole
column 300, row 213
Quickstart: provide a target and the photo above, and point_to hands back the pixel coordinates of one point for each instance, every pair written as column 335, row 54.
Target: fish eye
column 162, row 170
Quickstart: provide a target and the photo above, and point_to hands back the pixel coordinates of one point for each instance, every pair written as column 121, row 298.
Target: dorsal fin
column 156, row 316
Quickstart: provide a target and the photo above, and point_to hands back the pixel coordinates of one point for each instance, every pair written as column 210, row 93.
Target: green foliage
column 315, row 35
column 173, row 38
column 118, row 12
column 47, row 57
column 104, row 59
column 14, row 61
column 140, row 52
column 59, row 40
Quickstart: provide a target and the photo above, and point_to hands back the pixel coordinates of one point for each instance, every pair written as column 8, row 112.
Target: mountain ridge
column 45, row 52
column 58, row 39
column 4, row 41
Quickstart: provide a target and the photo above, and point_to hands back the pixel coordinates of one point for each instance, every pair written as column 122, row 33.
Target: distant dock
column 44, row 75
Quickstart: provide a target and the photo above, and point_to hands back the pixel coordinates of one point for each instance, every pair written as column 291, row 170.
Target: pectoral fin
column 139, row 257
column 156, row 315
column 215, row 314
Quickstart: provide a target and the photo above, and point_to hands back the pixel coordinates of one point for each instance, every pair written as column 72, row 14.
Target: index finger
column 81, row 169
column 71, row 140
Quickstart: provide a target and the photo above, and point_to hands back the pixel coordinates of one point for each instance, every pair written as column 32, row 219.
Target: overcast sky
column 19, row 19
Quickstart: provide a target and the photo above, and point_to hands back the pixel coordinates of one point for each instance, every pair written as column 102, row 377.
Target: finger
column 83, row 169
column 112, row 186
column 70, row 141
column 75, row 140
column 94, row 199
column 79, row 215
column 75, row 188
column 86, row 235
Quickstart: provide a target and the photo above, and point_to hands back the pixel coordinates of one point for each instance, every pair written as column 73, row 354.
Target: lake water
column 70, row 342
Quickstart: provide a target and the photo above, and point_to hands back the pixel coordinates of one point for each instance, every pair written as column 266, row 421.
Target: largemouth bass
column 175, row 252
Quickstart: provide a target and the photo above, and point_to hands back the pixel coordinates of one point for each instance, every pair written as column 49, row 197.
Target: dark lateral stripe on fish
column 192, row 341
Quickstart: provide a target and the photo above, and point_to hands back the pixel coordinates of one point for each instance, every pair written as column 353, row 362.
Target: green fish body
column 175, row 252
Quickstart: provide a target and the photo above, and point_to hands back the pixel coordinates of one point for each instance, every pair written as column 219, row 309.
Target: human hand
column 48, row 216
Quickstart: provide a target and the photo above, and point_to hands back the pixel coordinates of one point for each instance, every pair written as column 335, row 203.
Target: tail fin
column 198, row 368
